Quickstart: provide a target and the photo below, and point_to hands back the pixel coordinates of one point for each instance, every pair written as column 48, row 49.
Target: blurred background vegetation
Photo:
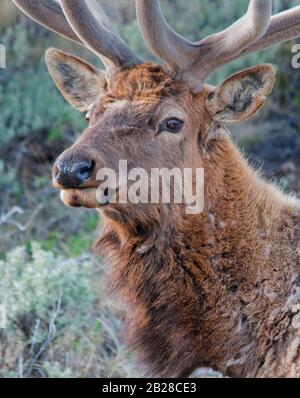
column 60, row 323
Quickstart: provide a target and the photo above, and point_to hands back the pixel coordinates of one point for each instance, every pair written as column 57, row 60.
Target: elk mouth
column 80, row 197
column 85, row 197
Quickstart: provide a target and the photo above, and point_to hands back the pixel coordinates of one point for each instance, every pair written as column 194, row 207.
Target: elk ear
column 79, row 82
column 242, row 95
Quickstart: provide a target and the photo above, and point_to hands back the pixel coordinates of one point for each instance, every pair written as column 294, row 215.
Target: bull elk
column 220, row 289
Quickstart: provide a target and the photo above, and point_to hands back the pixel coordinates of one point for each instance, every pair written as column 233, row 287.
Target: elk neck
column 193, row 284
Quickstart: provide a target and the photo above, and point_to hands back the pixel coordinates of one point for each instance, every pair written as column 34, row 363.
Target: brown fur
column 219, row 289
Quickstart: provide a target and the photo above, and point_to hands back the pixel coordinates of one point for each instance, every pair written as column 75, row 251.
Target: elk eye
column 172, row 125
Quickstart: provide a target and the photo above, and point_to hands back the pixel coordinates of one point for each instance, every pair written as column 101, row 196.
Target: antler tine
column 195, row 61
column 91, row 25
column 49, row 14
column 283, row 27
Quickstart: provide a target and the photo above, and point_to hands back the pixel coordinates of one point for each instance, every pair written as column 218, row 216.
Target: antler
column 255, row 31
column 85, row 23
column 196, row 60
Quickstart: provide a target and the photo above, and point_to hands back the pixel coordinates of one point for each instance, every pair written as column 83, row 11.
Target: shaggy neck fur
column 220, row 289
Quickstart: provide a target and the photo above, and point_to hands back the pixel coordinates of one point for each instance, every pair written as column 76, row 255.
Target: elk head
column 152, row 115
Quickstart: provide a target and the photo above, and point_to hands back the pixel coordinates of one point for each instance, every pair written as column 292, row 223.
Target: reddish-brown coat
column 218, row 289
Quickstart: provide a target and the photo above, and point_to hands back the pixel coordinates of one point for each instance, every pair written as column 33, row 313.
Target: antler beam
column 194, row 62
column 283, row 27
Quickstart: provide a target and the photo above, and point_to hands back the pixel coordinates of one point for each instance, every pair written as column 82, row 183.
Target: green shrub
column 8, row 182
column 33, row 280
column 57, row 326
column 29, row 100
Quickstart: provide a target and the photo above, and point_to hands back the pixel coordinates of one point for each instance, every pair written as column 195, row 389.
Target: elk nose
column 74, row 174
